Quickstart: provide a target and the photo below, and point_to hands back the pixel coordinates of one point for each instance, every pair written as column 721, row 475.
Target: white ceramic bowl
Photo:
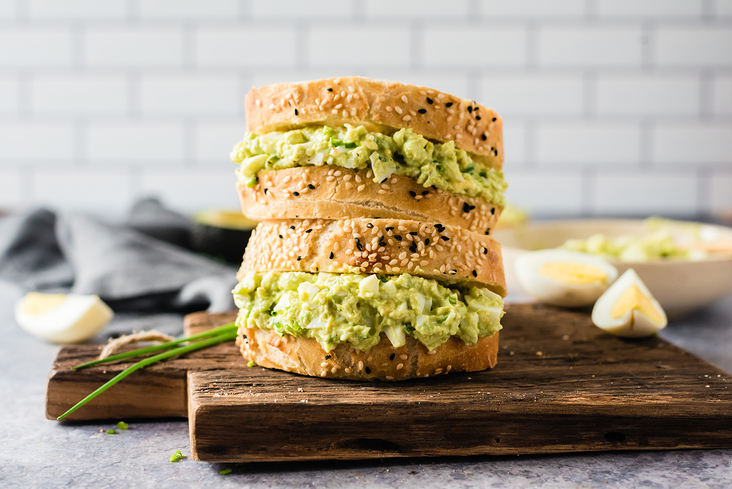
column 680, row 286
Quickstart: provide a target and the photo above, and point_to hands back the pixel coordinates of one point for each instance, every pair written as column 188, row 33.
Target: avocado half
column 221, row 234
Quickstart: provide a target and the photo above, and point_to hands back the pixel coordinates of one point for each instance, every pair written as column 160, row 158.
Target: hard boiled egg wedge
column 564, row 278
column 62, row 318
column 628, row 309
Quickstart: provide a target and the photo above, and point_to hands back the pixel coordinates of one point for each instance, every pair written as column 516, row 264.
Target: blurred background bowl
column 680, row 286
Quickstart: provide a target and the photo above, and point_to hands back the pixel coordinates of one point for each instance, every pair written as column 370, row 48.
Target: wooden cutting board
column 561, row 385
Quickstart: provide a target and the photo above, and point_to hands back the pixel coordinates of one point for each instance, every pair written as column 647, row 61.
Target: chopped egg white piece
column 62, row 318
column 564, row 278
column 628, row 309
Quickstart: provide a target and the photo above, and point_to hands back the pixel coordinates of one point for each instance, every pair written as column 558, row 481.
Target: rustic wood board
column 158, row 391
column 561, row 385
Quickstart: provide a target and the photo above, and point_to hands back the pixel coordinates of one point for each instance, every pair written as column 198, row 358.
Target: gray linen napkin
column 136, row 274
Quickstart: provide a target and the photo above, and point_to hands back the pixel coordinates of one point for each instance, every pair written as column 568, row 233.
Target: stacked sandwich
column 373, row 259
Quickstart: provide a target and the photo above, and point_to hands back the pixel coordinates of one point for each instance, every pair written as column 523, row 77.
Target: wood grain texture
column 158, row 391
column 561, row 385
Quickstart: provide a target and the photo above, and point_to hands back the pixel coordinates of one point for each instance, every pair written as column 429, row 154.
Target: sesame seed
column 404, row 99
column 407, row 118
column 361, row 187
column 388, row 108
column 398, row 110
column 324, row 364
column 382, row 191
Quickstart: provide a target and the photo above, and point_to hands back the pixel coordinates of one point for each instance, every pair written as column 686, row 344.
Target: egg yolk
column 573, row 273
column 36, row 303
column 634, row 299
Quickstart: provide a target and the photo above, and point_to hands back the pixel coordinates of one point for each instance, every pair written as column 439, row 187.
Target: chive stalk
column 221, row 338
column 163, row 346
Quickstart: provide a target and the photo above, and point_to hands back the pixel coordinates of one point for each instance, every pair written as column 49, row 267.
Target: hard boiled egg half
column 62, row 318
column 628, row 309
column 564, row 278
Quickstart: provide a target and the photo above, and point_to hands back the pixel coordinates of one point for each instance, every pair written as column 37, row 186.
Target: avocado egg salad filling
column 404, row 153
column 356, row 309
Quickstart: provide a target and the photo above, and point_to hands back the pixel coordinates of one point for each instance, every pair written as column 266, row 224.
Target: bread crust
column 380, row 106
column 305, row 356
column 332, row 192
column 386, row 246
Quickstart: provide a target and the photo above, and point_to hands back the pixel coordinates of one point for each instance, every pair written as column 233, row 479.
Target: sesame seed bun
column 381, row 106
column 449, row 254
column 382, row 362
column 333, row 192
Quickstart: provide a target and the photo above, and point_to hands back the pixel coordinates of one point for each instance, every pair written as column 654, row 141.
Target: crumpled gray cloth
column 131, row 271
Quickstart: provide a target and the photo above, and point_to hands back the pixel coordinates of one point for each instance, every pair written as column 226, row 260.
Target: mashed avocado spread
column 404, row 153
column 354, row 308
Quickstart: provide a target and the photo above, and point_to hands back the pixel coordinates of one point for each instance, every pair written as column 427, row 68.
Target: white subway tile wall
column 617, row 107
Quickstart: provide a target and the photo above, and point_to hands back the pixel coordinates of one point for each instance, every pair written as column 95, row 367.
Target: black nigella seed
column 467, row 207
column 389, row 228
column 265, row 191
column 359, row 245
column 397, row 237
column 412, row 193
column 331, row 255
column 483, row 137
column 296, row 112
column 493, row 210
column 470, row 109
column 368, row 370
column 392, row 356
column 475, row 274
column 444, row 238
column 485, row 251
column 330, row 89
column 413, row 233
column 296, row 194
column 280, row 236
column 449, row 104
column 309, row 231
column 327, row 357
column 429, row 100
column 453, row 272
column 488, row 231
column 369, row 225
column 426, row 192
column 292, row 227
column 477, row 117
column 413, row 247
column 311, row 186
column 422, row 111
column 299, row 258
column 494, row 119
column 426, row 241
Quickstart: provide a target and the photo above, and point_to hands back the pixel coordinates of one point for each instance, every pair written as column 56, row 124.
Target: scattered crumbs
column 706, row 385
column 304, row 400
column 565, row 337
column 511, row 353
column 225, row 471
column 593, row 375
column 299, row 389
column 114, row 432
column 539, row 353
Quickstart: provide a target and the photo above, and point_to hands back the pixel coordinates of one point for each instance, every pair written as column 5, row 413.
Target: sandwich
column 373, row 260
column 355, row 147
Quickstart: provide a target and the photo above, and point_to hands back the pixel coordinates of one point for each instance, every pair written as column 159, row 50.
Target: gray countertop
column 36, row 452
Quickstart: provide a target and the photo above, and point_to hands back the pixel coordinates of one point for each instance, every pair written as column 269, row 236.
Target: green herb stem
column 228, row 336
column 163, row 346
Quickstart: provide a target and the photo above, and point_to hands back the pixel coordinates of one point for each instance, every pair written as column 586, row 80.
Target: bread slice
column 382, row 362
column 387, row 246
column 332, row 192
column 380, row 106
